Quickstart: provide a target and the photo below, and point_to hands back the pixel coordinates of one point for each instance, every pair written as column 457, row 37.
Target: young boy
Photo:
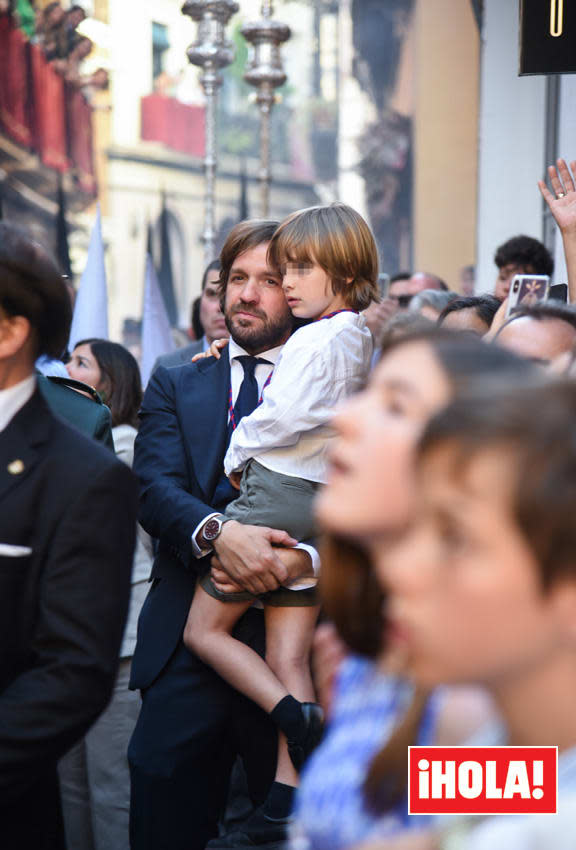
column 483, row 587
column 328, row 260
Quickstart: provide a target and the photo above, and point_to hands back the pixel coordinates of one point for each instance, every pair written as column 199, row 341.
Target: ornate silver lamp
column 211, row 52
column 265, row 73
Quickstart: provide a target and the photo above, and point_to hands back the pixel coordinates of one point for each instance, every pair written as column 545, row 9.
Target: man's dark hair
column 400, row 276
column 243, row 236
column 485, row 307
column 527, row 252
column 31, row 286
column 542, row 311
column 195, row 322
column 214, row 266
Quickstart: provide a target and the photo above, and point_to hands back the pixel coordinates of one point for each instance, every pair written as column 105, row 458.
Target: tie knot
column 249, row 363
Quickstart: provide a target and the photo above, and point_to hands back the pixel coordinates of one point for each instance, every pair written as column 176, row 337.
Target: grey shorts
column 277, row 501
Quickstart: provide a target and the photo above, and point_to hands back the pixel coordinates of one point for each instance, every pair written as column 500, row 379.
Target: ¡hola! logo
column 482, row 780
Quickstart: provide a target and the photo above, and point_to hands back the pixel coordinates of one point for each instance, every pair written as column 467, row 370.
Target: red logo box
column 482, row 780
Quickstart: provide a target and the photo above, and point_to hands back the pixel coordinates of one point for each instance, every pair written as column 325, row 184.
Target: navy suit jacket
column 68, row 509
column 179, row 455
column 180, row 356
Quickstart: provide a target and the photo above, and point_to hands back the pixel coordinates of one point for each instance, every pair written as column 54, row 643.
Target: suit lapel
column 205, row 419
column 20, row 441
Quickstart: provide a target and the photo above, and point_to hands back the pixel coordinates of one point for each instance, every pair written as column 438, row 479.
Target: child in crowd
column 482, row 589
column 328, row 260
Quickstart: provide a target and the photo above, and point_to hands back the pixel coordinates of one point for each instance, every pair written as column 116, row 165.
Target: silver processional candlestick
column 211, row 52
column 265, row 73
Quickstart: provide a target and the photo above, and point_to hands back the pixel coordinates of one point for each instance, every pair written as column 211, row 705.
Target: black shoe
column 299, row 750
column 260, row 830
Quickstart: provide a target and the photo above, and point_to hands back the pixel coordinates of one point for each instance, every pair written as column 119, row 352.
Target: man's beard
column 266, row 335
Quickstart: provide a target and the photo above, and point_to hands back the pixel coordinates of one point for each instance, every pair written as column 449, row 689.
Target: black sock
column 279, row 800
column 287, row 715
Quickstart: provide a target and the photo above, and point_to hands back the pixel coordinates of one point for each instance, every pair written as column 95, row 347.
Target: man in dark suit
column 192, row 723
column 210, row 320
column 67, row 524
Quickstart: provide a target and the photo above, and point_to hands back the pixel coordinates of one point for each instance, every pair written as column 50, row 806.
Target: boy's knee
column 286, row 663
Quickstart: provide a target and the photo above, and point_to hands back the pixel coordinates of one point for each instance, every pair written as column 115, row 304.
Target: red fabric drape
column 177, row 125
column 14, row 83
column 80, row 148
column 49, row 112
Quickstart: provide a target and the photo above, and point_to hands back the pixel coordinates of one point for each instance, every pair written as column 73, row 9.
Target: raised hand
column 562, row 199
column 562, row 203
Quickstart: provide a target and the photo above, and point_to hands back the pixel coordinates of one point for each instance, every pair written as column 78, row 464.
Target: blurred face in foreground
column 465, row 601
column 541, row 340
column 370, row 486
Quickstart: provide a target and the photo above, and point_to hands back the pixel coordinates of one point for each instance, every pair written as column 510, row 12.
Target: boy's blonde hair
column 338, row 239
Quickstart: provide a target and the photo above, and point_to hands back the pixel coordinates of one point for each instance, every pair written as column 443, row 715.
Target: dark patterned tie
column 247, row 399
column 248, row 395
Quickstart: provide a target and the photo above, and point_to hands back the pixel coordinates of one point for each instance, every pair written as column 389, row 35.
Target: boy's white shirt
column 320, row 365
column 262, row 373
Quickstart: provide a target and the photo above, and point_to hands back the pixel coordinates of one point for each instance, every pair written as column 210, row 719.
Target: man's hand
column 220, row 579
column 248, row 558
column 298, row 564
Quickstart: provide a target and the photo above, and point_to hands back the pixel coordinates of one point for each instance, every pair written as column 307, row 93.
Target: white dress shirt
column 14, row 398
column 262, row 373
column 320, row 365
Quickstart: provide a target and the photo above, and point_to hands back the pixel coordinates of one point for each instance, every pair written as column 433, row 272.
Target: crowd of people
column 389, row 477
column 55, row 30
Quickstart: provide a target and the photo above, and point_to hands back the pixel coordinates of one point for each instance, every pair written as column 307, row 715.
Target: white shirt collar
column 272, row 355
column 14, row 398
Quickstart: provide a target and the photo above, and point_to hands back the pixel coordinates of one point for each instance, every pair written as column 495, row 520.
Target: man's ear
column 15, row 332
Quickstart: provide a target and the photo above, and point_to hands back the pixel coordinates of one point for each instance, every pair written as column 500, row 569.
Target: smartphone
column 559, row 292
column 383, row 284
column 527, row 289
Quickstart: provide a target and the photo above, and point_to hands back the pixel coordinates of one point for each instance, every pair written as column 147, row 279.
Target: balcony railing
column 177, row 125
column 41, row 112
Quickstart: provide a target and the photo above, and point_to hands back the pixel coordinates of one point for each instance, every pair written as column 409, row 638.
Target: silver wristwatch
column 212, row 529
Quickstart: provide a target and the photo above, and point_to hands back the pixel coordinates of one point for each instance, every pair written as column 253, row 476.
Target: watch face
column 212, row 529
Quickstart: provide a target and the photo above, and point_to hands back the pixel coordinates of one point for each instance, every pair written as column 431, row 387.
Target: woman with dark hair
column 94, row 775
column 114, row 373
column 348, row 795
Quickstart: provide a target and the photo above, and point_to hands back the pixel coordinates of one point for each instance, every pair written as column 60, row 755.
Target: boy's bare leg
column 289, row 635
column 208, row 634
